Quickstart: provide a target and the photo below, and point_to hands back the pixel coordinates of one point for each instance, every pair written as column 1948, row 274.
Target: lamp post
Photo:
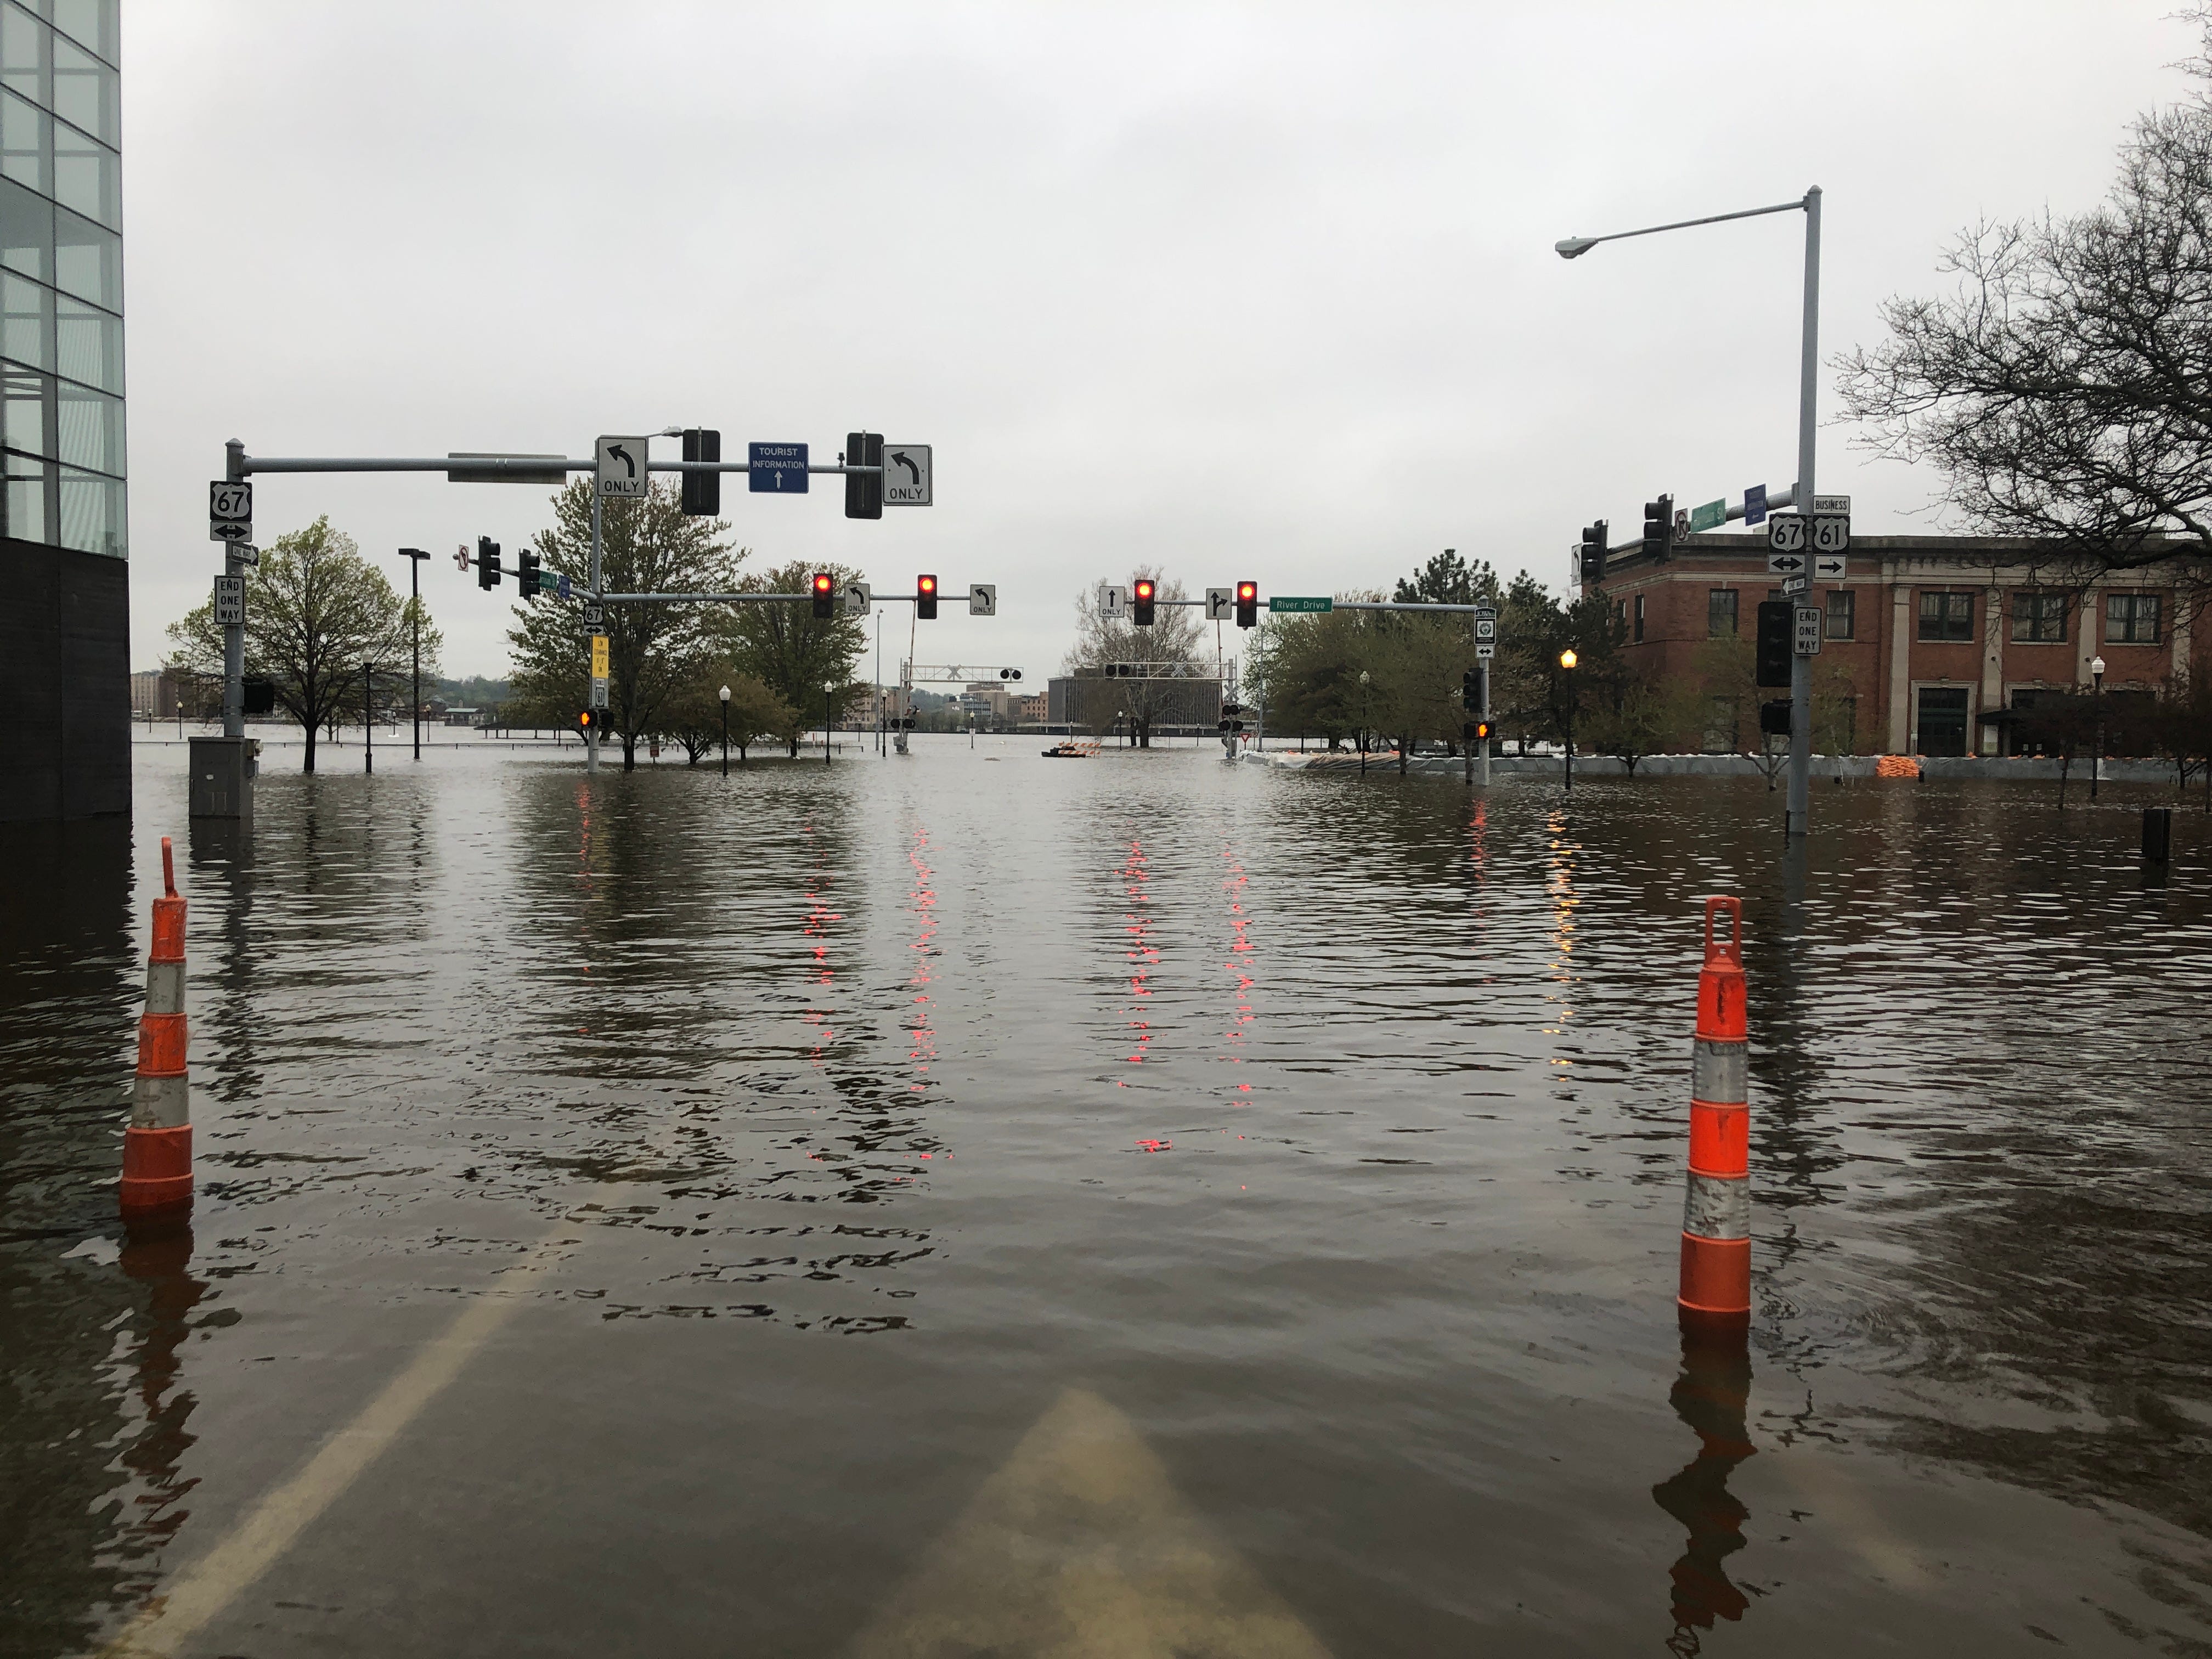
column 2097, row 759
column 725, row 731
column 828, row 692
column 1119, row 714
column 368, row 721
column 1801, row 668
column 1362, row 722
column 1567, row 661
column 415, row 556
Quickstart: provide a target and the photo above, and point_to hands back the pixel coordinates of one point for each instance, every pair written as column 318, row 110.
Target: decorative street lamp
column 1567, row 661
column 725, row 731
column 2097, row 760
column 828, row 692
column 1362, row 722
column 415, row 556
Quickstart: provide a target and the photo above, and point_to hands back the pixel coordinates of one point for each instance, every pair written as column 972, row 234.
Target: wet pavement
column 969, row 1204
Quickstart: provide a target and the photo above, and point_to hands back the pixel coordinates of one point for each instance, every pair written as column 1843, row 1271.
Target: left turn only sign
column 621, row 468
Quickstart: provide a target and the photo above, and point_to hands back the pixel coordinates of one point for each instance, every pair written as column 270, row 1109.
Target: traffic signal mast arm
column 522, row 468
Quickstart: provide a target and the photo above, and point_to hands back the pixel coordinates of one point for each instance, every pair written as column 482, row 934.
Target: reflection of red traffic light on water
column 1156, row 1145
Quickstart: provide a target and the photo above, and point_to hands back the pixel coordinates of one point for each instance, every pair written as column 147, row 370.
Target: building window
column 1720, row 613
column 2131, row 618
column 2039, row 618
column 1639, row 619
column 1843, row 615
column 1947, row 616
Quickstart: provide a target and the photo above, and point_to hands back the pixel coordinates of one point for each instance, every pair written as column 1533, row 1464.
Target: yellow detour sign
column 1080, row 1548
column 599, row 656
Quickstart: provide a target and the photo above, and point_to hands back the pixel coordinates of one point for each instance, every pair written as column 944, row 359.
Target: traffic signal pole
column 591, row 732
column 1798, row 812
column 234, row 634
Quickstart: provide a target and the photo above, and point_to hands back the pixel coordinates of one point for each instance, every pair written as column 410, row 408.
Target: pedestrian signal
column 1774, row 717
column 925, row 598
column 590, row 720
column 825, row 595
column 1476, row 731
column 1142, row 596
column 1248, row 605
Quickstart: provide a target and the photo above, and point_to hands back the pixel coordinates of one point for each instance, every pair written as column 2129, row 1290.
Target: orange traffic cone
column 157, row 1146
column 1717, row 1211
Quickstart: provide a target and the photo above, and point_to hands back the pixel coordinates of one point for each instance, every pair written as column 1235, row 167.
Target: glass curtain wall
column 61, row 274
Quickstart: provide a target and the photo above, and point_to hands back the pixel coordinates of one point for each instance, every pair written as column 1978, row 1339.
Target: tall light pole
column 1801, row 668
column 1567, row 661
column 368, row 721
column 2097, row 758
column 829, row 691
column 415, row 556
column 725, row 731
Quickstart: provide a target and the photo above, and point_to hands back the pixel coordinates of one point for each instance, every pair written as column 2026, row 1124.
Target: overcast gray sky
column 1246, row 290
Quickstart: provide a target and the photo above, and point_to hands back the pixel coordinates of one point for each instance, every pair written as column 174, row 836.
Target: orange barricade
column 157, row 1146
column 1717, row 1208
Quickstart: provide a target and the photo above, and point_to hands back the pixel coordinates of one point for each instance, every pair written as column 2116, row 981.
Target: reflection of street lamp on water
column 1567, row 661
column 725, row 731
column 1120, row 714
column 2097, row 760
column 1362, row 722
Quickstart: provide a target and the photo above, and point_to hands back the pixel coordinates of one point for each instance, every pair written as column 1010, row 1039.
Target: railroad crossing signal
column 1142, row 592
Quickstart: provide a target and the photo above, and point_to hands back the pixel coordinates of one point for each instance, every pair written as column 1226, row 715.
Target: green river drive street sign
column 1276, row 605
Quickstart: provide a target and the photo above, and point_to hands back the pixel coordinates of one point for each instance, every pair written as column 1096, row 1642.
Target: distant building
column 1929, row 640
column 1092, row 700
column 157, row 694
column 65, row 631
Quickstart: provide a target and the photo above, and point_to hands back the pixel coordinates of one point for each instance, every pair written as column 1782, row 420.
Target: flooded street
column 970, row 1204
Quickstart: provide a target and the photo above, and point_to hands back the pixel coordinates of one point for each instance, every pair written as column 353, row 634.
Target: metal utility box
column 222, row 771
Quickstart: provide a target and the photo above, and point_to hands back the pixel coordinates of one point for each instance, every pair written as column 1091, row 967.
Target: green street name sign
column 1278, row 605
column 1710, row 516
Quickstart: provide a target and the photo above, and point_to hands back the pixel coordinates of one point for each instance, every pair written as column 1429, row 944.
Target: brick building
column 1926, row 637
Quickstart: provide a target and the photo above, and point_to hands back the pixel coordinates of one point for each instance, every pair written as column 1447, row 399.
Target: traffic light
column 1248, row 605
column 702, row 491
column 1476, row 731
column 1470, row 690
column 526, row 563
column 1775, row 624
column 1010, row 674
column 487, row 562
column 825, row 596
column 1142, row 594
column 863, row 491
column 925, row 598
column 590, row 720
column 1593, row 553
column 1659, row 527
column 1774, row 717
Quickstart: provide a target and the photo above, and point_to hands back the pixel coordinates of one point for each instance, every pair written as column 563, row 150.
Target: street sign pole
column 591, row 732
column 234, row 634
column 1486, row 721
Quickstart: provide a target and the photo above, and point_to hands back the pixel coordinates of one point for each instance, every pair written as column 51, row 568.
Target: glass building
column 61, row 274
column 65, row 635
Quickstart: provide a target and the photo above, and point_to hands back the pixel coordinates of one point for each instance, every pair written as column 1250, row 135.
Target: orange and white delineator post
column 1716, row 1210
column 157, row 1146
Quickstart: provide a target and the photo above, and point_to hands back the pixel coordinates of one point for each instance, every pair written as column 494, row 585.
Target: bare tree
column 2065, row 388
column 1174, row 640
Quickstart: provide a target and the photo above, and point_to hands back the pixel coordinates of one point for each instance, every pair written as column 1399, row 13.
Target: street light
column 2097, row 760
column 1801, row 668
column 725, row 731
column 1567, row 661
column 415, row 556
column 829, row 691
column 1362, row 722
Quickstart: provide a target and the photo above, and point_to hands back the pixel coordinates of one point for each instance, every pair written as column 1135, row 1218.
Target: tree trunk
column 310, row 764
column 1405, row 755
column 629, row 752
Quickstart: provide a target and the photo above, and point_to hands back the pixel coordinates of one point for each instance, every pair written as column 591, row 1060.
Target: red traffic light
column 824, row 585
column 1247, row 592
column 1145, row 589
column 925, row 584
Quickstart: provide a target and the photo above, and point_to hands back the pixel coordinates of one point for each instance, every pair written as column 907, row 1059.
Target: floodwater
column 969, row 1204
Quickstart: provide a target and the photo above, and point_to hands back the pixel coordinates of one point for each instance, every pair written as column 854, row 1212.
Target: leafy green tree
column 647, row 546
column 790, row 651
column 693, row 718
column 1446, row 579
column 315, row 610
